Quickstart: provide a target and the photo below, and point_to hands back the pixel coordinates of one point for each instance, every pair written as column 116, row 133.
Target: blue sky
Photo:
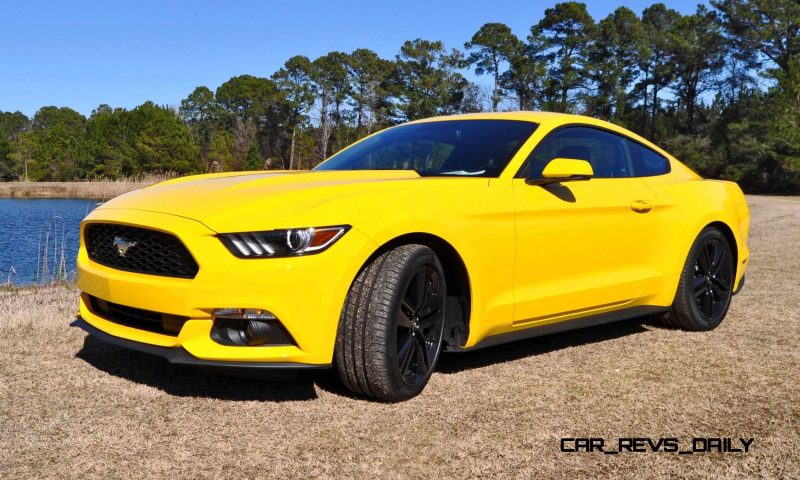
column 82, row 54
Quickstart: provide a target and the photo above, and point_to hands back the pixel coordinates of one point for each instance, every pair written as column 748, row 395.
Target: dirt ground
column 73, row 407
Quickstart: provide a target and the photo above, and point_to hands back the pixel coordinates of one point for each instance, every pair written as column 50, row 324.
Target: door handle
column 641, row 206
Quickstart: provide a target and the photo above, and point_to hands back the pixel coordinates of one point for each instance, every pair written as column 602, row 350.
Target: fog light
column 257, row 332
column 248, row 327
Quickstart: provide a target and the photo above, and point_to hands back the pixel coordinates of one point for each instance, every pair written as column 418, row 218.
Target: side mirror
column 563, row 170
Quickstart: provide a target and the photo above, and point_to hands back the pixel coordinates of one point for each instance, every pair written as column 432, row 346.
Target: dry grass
column 71, row 406
column 101, row 189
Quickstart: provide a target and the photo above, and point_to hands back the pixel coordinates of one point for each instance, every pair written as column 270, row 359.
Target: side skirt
column 563, row 326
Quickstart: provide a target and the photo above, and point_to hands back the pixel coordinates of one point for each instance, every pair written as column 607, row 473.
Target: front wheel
column 391, row 327
column 706, row 283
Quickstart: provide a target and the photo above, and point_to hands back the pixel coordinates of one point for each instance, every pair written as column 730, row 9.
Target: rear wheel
column 391, row 327
column 706, row 283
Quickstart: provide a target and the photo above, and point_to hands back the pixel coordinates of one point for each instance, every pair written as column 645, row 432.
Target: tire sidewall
column 418, row 260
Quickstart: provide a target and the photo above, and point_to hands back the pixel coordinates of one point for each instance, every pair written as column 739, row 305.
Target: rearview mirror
column 563, row 170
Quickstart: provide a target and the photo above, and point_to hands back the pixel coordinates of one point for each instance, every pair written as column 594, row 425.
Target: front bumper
column 179, row 356
column 305, row 293
column 740, row 286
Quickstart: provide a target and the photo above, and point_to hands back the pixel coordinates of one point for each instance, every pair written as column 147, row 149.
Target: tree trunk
column 619, row 107
column 496, row 91
column 691, row 96
column 645, row 97
column 337, row 113
column 360, row 108
column 291, row 149
column 654, row 108
column 324, row 125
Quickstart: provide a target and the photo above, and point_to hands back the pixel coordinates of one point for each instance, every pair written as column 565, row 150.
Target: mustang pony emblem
column 122, row 245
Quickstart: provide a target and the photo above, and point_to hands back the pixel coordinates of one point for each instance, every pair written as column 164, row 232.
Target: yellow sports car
column 450, row 233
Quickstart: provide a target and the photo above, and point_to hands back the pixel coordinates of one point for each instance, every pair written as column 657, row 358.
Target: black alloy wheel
column 712, row 281
column 706, row 283
column 420, row 325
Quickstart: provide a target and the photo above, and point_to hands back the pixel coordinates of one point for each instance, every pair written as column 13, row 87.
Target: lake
column 27, row 226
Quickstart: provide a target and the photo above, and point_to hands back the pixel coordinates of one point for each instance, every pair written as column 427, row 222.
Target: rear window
column 646, row 163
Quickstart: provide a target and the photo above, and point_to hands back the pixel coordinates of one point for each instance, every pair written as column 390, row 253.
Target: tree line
column 719, row 88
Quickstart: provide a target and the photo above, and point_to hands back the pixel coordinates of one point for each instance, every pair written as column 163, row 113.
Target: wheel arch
column 459, row 289
column 727, row 231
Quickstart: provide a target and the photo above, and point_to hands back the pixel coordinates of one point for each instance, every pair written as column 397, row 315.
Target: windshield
column 479, row 148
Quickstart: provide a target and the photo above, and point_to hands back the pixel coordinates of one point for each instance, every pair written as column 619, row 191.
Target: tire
column 392, row 324
column 706, row 284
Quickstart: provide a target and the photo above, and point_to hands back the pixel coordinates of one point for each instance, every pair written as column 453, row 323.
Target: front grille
column 139, row 250
column 163, row 323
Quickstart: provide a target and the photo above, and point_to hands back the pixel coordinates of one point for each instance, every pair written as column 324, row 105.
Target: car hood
column 271, row 199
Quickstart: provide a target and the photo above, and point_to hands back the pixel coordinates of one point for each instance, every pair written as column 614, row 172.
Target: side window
column 606, row 152
column 646, row 163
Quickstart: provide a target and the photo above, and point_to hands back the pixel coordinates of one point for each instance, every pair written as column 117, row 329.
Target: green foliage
column 220, row 152
column 719, row 88
column 566, row 32
column 294, row 81
column 63, row 145
column 161, row 141
column 613, row 65
column 110, row 142
column 428, row 81
column 491, row 46
column 370, row 93
column 253, row 109
column 697, row 152
column 56, row 144
column 769, row 27
column 699, row 51
column 526, row 75
column 203, row 114
column 330, row 76
column 13, row 127
column 656, row 60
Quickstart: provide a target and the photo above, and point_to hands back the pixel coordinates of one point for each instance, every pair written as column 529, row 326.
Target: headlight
column 282, row 243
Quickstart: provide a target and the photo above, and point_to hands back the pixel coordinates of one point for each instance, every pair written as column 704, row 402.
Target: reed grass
column 51, row 256
column 103, row 189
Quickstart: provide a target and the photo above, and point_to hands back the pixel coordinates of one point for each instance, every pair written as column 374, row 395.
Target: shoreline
column 106, row 190
column 102, row 190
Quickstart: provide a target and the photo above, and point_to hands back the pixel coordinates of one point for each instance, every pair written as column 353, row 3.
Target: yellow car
column 450, row 233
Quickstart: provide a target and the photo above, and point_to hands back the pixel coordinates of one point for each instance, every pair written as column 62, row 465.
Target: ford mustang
column 445, row 234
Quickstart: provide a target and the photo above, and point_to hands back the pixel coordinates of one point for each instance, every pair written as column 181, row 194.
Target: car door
column 581, row 246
